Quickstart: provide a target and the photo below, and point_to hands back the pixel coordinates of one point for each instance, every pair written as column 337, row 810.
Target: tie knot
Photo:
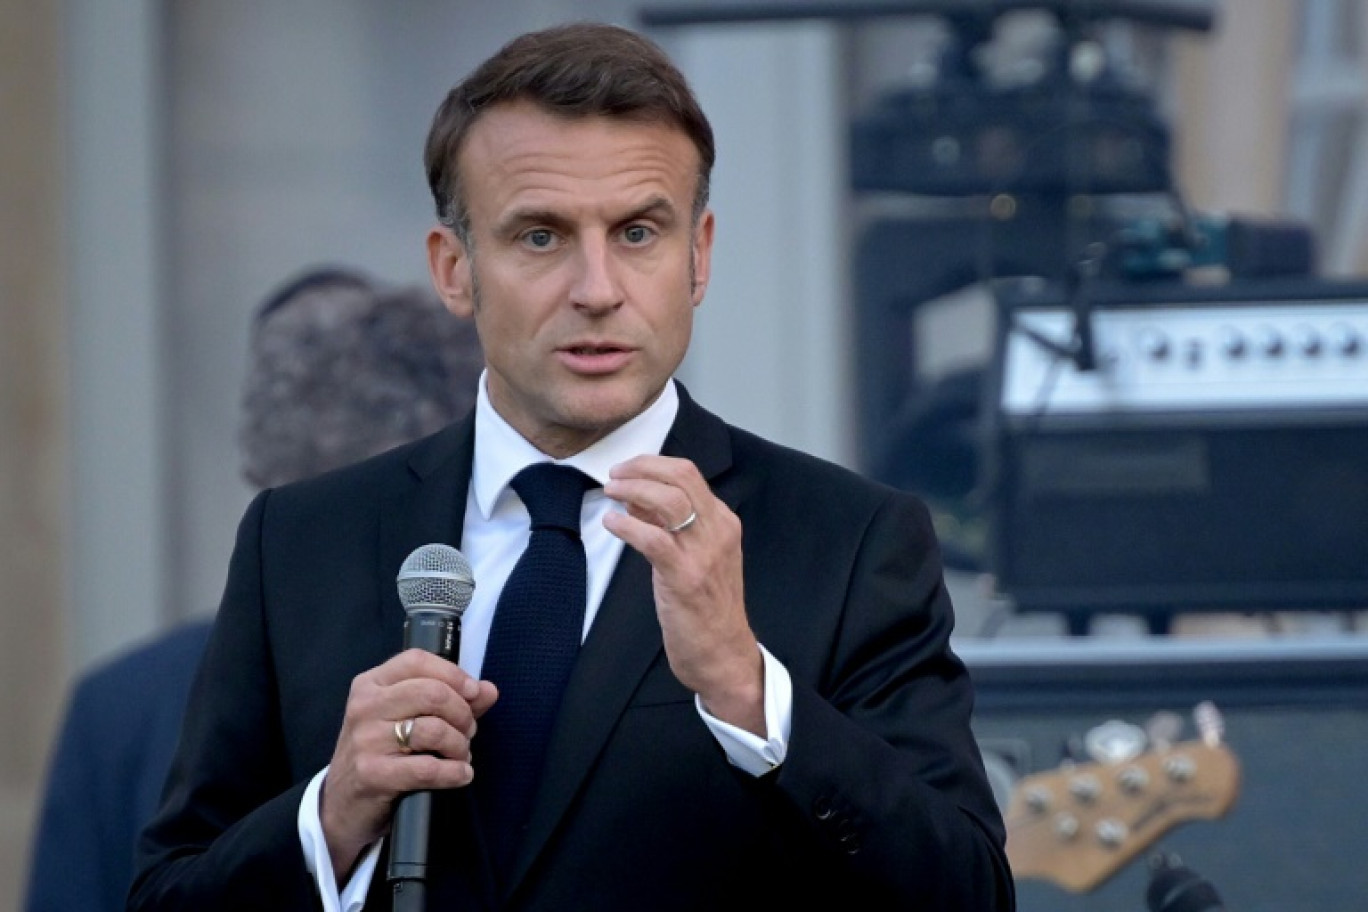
column 553, row 494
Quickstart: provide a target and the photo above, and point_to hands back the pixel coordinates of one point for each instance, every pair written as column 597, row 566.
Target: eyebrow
column 657, row 207
column 520, row 218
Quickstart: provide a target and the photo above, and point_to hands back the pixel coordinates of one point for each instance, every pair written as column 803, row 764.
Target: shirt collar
column 501, row 452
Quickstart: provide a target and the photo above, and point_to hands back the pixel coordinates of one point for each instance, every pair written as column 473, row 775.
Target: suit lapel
column 431, row 509
column 622, row 645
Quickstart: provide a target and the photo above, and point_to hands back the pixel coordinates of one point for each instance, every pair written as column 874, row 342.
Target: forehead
column 520, row 154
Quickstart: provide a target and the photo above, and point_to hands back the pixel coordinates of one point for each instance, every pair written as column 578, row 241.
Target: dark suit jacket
column 881, row 803
column 105, row 779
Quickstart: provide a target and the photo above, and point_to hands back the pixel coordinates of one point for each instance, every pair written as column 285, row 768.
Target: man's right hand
column 370, row 769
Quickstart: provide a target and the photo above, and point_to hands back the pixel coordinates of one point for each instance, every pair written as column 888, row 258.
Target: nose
column 596, row 287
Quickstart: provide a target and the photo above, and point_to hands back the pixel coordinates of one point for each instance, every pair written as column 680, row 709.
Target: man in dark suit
column 764, row 709
column 341, row 368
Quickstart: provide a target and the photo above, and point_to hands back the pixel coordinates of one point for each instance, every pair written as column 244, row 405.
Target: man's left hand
column 693, row 543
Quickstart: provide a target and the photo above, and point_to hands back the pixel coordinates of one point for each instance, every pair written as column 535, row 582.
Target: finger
column 665, row 505
column 667, row 470
column 415, row 697
column 432, row 733
column 438, row 756
column 428, row 735
column 412, row 772
column 487, row 697
column 416, row 663
column 659, row 547
column 669, row 492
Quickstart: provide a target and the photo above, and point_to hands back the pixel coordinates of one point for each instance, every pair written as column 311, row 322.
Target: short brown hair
column 575, row 71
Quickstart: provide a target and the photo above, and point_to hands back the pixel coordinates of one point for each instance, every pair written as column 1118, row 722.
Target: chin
column 605, row 411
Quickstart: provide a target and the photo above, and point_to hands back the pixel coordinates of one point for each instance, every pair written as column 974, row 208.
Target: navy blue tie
column 534, row 638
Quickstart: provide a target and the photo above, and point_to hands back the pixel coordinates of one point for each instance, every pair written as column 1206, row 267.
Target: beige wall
column 1231, row 107
column 32, row 422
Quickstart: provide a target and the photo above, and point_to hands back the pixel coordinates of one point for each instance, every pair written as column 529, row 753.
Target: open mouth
column 595, row 359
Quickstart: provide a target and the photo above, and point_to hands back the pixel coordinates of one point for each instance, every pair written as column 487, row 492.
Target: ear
column 450, row 265
column 702, row 256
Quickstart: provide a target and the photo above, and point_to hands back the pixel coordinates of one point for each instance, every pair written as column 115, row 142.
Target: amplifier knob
column 1344, row 340
column 1270, row 341
column 1308, row 341
column 1233, row 342
column 1154, row 344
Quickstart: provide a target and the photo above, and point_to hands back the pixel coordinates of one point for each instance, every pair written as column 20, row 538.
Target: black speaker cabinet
column 1295, row 718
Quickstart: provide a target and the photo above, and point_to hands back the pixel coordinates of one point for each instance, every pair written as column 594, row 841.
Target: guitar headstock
column 1081, row 823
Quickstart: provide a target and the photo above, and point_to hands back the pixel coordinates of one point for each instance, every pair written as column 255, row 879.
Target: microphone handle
column 437, row 631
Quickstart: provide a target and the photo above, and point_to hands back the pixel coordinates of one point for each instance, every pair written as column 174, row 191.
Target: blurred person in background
column 341, row 368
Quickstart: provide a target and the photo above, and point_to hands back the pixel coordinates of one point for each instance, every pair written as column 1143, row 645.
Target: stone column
column 32, row 419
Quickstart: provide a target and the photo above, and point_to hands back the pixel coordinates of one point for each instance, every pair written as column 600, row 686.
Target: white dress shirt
column 494, row 535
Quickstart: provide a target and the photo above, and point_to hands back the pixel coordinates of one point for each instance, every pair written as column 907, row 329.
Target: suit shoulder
column 795, row 470
column 373, row 479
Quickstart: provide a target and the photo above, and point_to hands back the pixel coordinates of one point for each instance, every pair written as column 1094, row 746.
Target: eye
column 539, row 238
column 637, row 234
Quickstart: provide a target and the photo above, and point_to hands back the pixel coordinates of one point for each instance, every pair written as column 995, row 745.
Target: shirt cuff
column 319, row 863
column 758, row 756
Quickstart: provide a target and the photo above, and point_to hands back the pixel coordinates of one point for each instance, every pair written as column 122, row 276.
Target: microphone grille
column 436, row 576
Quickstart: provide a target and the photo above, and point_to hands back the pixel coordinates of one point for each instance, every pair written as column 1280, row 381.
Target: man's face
column 582, row 252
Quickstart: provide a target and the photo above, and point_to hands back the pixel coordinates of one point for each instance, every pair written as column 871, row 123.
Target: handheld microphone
column 435, row 585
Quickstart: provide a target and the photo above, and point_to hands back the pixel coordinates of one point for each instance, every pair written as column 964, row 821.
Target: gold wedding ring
column 403, row 729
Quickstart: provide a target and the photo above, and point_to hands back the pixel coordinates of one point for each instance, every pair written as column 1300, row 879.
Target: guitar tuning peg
column 1115, row 742
column 1085, row 788
column 1037, row 799
column 1111, row 832
column 1164, row 729
column 1179, row 769
column 1210, row 723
